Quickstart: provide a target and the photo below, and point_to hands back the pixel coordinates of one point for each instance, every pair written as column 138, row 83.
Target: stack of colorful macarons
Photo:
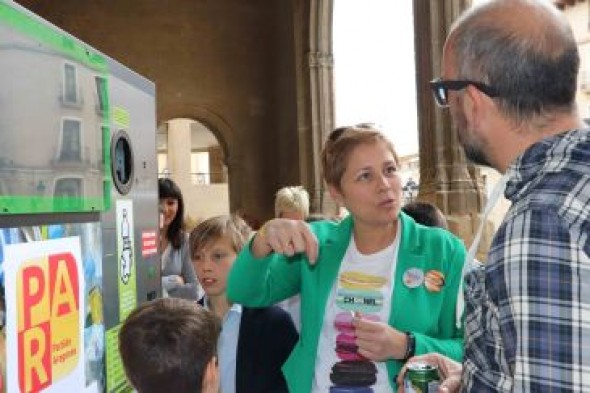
column 357, row 292
column 352, row 376
column 346, row 347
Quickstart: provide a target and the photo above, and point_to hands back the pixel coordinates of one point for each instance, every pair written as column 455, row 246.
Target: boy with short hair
column 170, row 345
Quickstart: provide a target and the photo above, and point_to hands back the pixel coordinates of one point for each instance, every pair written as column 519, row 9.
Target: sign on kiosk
column 44, row 281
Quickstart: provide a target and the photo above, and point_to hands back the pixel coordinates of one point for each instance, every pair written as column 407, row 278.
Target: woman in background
column 178, row 275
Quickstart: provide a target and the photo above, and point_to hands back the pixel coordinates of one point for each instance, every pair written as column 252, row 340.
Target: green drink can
column 421, row 378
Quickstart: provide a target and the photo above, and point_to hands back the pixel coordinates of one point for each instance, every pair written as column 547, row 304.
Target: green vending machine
column 78, row 207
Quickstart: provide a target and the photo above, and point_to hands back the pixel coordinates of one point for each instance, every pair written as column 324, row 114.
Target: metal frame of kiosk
column 78, row 207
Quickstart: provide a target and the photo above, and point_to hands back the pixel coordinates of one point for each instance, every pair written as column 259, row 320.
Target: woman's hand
column 287, row 237
column 377, row 341
column 172, row 281
column 448, row 369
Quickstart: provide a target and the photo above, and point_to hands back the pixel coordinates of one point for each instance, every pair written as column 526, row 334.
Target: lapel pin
column 413, row 278
column 434, row 281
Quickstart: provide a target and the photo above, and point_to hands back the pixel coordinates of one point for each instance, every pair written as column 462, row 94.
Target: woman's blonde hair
column 292, row 199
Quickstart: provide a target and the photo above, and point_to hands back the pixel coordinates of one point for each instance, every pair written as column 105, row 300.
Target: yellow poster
column 44, row 290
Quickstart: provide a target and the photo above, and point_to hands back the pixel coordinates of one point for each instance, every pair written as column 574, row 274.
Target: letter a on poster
column 44, row 305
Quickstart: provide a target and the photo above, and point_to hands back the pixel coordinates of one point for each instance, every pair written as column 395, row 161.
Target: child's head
column 170, row 344
column 214, row 245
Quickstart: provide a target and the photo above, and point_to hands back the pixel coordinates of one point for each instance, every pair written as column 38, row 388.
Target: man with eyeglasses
column 509, row 80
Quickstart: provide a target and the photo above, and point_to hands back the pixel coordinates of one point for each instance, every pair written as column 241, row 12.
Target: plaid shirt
column 528, row 310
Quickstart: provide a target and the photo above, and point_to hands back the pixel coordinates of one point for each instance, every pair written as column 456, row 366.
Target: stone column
column 321, row 63
column 446, row 177
column 321, row 68
column 179, row 152
column 315, row 92
column 217, row 172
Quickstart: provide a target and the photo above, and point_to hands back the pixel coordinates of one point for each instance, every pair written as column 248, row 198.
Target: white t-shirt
column 364, row 284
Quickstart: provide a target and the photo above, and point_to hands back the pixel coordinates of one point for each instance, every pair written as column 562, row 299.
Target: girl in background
column 178, row 275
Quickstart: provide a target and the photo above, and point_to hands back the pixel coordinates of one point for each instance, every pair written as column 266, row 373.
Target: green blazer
column 430, row 316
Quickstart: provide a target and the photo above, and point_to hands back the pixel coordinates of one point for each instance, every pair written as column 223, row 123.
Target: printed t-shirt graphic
column 363, row 285
column 357, row 292
column 360, row 292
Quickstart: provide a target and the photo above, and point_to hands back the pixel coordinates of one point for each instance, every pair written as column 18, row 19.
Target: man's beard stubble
column 472, row 146
column 475, row 155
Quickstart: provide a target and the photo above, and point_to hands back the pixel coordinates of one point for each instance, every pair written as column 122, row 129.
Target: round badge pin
column 434, row 280
column 413, row 277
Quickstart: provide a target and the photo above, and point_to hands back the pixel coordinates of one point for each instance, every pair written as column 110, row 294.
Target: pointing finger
column 311, row 245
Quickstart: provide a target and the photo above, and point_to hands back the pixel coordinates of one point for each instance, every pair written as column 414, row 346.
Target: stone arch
column 225, row 135
column 213, row 121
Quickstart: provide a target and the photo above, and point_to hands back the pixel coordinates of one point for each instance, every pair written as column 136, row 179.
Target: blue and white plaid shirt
column 528, row 311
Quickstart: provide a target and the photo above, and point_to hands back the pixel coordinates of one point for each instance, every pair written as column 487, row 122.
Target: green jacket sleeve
column 260, row 282
column 453, row 345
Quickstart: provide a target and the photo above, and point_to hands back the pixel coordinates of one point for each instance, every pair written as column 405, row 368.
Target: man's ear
column 473, row 105
column 335, row 194
column 211, row 377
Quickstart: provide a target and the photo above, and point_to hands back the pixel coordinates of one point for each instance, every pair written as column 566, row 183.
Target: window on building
column 101, row 93
column 200, row 167
column 68, row 187
column 163, row 170
column 70, row 94
column 71, row 140
column 100, row 152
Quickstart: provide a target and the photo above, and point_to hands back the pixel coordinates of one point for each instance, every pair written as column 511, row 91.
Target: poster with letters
column 44, row 286
column 53, row 337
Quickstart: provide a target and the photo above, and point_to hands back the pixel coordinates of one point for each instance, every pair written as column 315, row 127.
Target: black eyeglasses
column 440, row 89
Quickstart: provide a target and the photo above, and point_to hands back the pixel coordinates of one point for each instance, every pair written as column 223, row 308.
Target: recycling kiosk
column 78, row 207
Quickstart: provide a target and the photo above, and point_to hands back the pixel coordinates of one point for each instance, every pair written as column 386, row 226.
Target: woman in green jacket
column 376, row 288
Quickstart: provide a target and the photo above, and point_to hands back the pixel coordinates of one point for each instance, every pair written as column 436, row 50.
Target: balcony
column 201, row 178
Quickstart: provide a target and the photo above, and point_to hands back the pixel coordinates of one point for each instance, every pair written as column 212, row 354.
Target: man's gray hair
column 532, row 63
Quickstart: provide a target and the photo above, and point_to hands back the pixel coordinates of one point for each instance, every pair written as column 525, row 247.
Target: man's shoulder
column 548, row 225
column 561, row 196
